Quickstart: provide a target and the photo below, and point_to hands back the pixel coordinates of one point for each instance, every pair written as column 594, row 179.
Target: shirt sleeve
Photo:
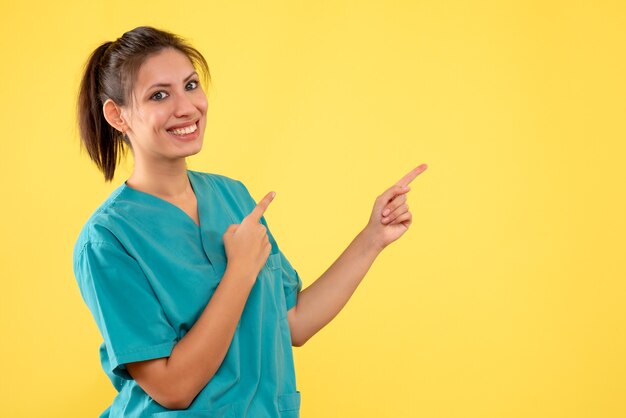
column 124, row 306
column 292, row 284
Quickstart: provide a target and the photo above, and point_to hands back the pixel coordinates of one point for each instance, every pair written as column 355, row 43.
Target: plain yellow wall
column 506, row 296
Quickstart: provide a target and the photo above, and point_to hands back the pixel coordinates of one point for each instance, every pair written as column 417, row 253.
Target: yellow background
column 506, row 298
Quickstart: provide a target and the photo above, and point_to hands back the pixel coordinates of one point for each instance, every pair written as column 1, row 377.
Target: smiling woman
column 197, row 305
column 181, row 274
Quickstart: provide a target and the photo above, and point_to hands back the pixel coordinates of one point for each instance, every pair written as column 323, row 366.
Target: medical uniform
column 146, row 271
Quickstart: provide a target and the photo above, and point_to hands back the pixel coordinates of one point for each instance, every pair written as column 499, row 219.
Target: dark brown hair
column 109, row 73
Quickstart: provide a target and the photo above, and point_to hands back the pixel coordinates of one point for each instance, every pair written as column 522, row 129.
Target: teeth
column 183, row 131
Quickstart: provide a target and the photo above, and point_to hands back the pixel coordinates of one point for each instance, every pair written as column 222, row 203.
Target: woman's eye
column 192, row 83
column 158, row 96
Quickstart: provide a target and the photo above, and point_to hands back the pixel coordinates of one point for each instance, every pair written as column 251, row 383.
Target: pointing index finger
column 410, row 176
column 261, row 207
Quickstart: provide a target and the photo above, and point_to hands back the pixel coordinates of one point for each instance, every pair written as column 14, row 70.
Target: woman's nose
column 184, row 105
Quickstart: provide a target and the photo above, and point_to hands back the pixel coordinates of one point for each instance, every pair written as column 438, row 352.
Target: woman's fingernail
column 386, row 212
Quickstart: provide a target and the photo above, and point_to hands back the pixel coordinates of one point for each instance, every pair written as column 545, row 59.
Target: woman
column 197, row 305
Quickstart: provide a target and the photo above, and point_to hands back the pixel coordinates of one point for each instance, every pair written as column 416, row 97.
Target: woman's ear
column 113, row 115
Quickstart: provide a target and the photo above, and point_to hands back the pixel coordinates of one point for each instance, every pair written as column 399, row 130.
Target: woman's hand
column 391, row 217
column 246, row 244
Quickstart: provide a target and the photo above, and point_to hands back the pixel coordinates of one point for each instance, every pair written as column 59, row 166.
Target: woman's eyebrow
column 168, row 85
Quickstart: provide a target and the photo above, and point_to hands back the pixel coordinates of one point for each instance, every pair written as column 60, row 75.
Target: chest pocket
column 271, row 279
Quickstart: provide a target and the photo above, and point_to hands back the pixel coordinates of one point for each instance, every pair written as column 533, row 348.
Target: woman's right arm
column 175, row 381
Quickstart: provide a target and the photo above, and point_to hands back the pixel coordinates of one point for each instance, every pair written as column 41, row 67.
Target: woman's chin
column 188, row 149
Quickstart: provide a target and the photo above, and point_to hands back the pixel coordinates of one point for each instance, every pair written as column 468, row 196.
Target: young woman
column 197, row 305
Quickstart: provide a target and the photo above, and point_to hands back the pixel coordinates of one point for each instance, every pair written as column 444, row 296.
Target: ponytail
column 104, row 144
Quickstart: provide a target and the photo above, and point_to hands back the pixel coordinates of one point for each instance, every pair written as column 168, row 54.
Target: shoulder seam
column 111, row 201
column 92, row 244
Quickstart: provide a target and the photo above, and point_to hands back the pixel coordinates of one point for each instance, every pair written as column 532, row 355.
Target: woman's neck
column 164, row 180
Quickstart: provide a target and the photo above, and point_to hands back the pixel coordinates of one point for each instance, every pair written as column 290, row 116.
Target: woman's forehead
column 164, row 67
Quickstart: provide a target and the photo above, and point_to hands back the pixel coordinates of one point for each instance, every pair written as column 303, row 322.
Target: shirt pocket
column 289, row 405
column 273, row 261
column 273, row 275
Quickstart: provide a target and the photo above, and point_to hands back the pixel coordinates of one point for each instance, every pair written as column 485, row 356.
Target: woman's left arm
column 320, row 302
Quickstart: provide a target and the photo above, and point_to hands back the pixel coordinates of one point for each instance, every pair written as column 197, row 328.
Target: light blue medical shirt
column 147, row 271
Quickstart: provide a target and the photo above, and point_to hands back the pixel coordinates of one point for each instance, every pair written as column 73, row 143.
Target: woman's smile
column 186, row 133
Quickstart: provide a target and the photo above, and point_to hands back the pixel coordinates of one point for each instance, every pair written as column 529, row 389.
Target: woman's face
column 167, row 116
